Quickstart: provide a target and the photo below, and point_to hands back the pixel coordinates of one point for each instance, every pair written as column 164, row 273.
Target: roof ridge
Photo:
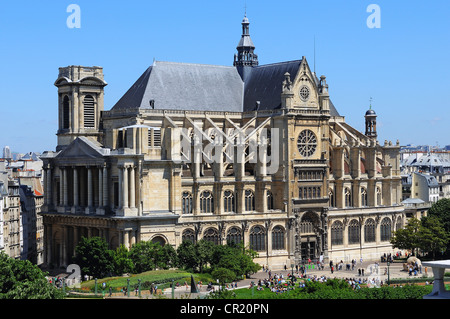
column 195, row 64
column 277, row 63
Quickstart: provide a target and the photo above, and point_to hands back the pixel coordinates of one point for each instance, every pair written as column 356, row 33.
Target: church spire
column 245, row 48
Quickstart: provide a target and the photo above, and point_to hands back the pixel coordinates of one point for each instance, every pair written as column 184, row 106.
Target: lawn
column 162, row 278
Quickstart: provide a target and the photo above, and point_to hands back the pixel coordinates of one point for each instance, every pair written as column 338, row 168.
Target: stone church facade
column 247, row 153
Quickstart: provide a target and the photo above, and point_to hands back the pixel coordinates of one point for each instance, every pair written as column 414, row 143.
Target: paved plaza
column 395, row 272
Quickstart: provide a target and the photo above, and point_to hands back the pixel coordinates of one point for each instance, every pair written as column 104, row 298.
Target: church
column 255, row 154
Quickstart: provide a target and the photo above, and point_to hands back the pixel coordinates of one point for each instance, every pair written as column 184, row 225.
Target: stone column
column 48, row 189
column 89, row 188
column 125, row 187
column 120, row 169
column 65, row 189
column 126, row 238
column 61, row 186
column 100, row 187
column 132, row 188
column 105, row 186
column 75, row 187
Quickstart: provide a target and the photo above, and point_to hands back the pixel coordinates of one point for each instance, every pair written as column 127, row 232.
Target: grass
column 162, row 278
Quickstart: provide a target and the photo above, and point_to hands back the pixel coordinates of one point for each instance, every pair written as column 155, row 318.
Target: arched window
column 278, row 238
column 66, row 112
column 249, row 200
column 258, row 238
column 399, row 223
column 206, row 202
column 337, row 233
column 332, row 202
column 186, row 203
column 188, row 235
column 363, row 197
column 89, row 111
column 212, row 235
column 378, row 196
column 269, row 198
column 385, row 229
column 348, row 197
column 234, row 235
column 354, row 232
column 159, row 239
column 228, row 202
column 369, row 231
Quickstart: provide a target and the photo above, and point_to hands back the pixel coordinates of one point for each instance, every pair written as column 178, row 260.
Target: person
column 332, row 269
column 110, row 291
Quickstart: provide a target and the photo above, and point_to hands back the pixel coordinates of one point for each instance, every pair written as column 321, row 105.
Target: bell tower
column 371, row 122
column 80, row 103
column 246, row 55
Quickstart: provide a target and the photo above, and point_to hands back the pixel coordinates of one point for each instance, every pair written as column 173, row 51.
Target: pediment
column 82, row 147
column 305, row 87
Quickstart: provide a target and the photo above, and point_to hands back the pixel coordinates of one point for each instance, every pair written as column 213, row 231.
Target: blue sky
column 403, row 65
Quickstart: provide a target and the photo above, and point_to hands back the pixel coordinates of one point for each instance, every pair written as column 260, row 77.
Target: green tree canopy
column 433, row 237
column 122, row 261
column 441, row 210
column 94, row 257
column 408, row 237
column 20, row 279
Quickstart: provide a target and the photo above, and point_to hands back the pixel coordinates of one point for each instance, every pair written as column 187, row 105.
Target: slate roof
column 184, row 86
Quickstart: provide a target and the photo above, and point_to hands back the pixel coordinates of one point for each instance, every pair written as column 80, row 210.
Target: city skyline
column 398, row 65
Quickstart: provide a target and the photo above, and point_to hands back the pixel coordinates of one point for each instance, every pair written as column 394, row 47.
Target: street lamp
column 388, row 264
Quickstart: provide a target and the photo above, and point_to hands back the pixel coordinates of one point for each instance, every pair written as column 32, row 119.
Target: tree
column 94, row 257
column 224, row 275
column 441, row 209
column 433, row 237
column 20, row 279
column 187, row 257
column 235, row 258
column 143, row 256
column 122, row 261
column 167, row 257
column 203, row 250
column 408, row 237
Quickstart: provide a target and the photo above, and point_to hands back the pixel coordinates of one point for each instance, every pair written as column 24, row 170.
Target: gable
column 83, row 147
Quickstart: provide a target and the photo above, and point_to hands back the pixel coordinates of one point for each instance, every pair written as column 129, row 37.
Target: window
column 154, row 137
column 249, row 200
column 228, row 202
column 269, row 198
column 188, row 235
column 278, row 238
column 378, row 196
column 66, row 112
column 212, row 235
column 385, row 229
column 89, row 111
column 331, row 197
column 258, row 238
column 363, row 197
column 186, row 203
column 337, row 233
column 304, row 93
column 348, row 197
column 354, row 232
column 306, row 143
column 234, row 235
column 206, row 202
column 369, row 231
